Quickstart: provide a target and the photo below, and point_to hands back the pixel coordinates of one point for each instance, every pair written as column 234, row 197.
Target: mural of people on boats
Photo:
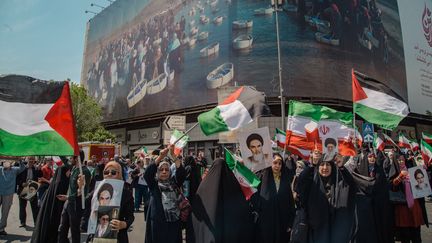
column 179, row 48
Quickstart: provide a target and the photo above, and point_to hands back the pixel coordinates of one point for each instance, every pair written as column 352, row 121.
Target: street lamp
column 276, row 4
column 97, row 5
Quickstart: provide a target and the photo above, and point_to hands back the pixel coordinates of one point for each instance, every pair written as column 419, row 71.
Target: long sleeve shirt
column 8, row 179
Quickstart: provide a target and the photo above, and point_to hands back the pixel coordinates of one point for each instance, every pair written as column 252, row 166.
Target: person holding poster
column 419, row 182
column 112, row 193
column 409, row 213
column 255, row 147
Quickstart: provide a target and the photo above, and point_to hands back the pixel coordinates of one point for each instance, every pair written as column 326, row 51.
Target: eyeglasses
column 164, row 169
column 112, row 172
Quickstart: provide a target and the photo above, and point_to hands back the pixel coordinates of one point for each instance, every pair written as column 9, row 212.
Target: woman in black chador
column 274, row 204
column 327, row 193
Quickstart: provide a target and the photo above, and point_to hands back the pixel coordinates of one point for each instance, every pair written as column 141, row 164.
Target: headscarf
column 170, row 196
column 117, row 167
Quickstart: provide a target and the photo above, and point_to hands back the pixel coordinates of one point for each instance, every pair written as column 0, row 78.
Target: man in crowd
column 47, row 174
column 30, row 173
column 72, row 210
column 8, row 176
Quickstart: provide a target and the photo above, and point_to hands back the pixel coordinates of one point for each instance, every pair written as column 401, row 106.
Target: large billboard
column 146, row 57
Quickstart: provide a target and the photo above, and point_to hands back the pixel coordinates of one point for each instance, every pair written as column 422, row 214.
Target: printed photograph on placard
column 255, row 147
column 107, row 192
column 419, row 180
column 104, row 233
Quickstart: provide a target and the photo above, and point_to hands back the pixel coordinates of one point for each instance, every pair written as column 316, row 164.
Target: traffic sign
column 175, row 122
column 368, row 132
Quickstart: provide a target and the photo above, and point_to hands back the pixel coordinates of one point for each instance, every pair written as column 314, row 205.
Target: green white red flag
column 427, row 137
column 389, row 141
column 414, row 145
column 378, row 143
column 142, row 152
column 280, row 138
column 426, row 151
column 404, row 142
column 309, row 125
column 178, row 147
column 376, row 102
column 37, row 117
column 239, row 109
column 248, row 181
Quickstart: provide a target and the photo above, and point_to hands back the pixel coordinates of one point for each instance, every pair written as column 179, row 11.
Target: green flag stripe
column 42, row 143
column 212, row 122
column 382, row 119
column 318, row 112
column 242, row 169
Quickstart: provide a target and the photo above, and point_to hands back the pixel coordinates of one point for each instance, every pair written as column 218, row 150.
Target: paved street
column 16, row 234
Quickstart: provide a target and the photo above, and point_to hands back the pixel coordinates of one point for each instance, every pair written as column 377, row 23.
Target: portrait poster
column 419, row 180
column 255, row 147
column 30, row 191
column 104, row 233
column 107, row 192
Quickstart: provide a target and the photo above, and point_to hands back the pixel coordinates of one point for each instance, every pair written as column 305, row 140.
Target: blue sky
column 44, row 38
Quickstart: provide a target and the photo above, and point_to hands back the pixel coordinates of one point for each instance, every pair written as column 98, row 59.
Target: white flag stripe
column 384, row 102
column 24, row 119
column 338, row 130
column 235, row 115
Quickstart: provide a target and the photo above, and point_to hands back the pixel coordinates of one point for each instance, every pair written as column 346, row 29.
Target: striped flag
column 427, row 138
column 404, row 142
column 426, row 151
column 178, row 147
column 37, row 117
column 239, row 109
column 388, row 140
column 248, row 181
column 378, row 143
column 280, row 138
column 330, row 124
column 414, row 145
column 377, row 103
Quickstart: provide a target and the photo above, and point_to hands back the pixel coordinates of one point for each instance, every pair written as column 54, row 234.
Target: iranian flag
column 37, row 117
column 377, row 103
column 404, row 142
column 247, row 179
column 280, row 138
column 305, row 120
column 239, row 109
column 142, row 152
column 427, row 138
column 180, row 144
column 414, row 145
column 388, row 140
column 426, row 151
column 378, row 143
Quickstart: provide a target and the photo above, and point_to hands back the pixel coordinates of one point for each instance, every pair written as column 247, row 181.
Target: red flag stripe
column 357, row 91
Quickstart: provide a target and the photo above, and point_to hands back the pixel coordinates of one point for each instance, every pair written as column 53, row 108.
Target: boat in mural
column 220, row 76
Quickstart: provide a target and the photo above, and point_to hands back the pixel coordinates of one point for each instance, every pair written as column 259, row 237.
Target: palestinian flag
column 178, row 147
column 280, row 138
column 427, row 138
column 377, row 103
column 378, row 143
column 239, row 109
column 404, row 142
column 247, row 179
column 426, row 151
column 329, row 124
column 37, row 117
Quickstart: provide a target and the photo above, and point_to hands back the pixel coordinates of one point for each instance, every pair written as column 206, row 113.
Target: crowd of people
column 363, row 198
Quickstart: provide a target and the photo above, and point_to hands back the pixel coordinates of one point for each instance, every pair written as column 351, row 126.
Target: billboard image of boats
column 147, row 57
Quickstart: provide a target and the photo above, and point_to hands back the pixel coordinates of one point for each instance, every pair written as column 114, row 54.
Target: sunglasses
column 112, row 172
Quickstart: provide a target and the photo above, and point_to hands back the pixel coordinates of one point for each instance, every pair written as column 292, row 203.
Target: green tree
column 88, row 116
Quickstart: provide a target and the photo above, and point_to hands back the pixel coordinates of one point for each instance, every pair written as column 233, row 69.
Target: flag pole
column 82, row 189
column 185, row 133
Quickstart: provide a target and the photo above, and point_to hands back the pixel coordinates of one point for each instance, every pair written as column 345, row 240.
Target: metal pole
column 276, row 9
column 185, row 133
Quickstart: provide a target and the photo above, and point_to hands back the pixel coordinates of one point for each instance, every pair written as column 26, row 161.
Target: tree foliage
column 88, row 116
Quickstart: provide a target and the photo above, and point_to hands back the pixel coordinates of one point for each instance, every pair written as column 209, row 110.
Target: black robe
column 221, row 213
column 49, row 215
column 329, row 220
column 374, row 211
column 276, row 209
column 157, row 228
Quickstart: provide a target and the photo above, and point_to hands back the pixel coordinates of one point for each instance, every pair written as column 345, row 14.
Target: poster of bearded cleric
column 148, row 57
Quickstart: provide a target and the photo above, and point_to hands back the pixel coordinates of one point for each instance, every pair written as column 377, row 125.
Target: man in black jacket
column 29, row 173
